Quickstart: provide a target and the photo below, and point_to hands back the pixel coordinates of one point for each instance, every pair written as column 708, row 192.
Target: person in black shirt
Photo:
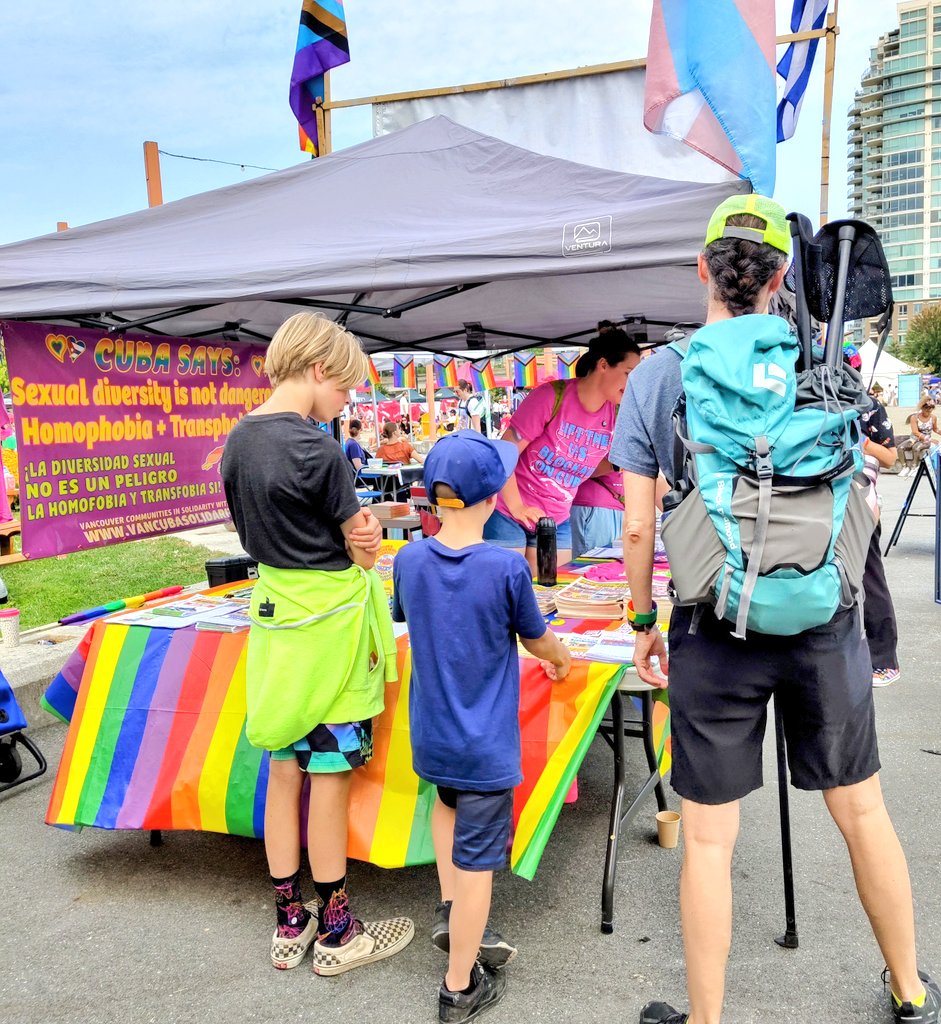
column 882, row 633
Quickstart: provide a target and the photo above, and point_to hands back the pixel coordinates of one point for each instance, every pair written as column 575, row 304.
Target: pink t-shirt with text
column 595, row 494
column 561, row 454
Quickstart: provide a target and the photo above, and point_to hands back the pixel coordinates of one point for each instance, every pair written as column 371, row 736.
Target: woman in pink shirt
column 562, row 444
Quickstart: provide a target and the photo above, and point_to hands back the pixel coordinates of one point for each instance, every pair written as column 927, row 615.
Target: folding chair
column 12, row 724
column 366, row 494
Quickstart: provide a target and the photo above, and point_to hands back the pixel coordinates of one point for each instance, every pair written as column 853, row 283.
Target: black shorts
column 481, row 827
column 719, row 692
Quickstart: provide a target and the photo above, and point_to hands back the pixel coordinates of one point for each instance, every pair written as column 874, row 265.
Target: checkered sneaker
column 376, row 940
column 287, row 953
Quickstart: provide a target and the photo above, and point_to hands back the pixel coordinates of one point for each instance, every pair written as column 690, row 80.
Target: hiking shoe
column 289, row 951
column 662, row 1013
column 928, row 1013
column 364, row 942
column 495, row 951
column 489, row 988
column 885, row 676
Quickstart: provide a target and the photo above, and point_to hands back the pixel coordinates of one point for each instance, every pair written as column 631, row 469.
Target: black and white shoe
column 495, row 951
column 488, row 989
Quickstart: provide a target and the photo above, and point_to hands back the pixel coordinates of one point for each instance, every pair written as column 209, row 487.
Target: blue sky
column 84, row 85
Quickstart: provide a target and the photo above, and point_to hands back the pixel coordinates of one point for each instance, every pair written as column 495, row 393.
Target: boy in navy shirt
column 464, row 701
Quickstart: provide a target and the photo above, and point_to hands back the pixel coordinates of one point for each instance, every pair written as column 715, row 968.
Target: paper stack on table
column 545, row 598
column 186, row 612
column 389, row 509
column 593, row 599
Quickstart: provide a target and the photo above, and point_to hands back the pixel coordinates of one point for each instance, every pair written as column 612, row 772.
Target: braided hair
column 740, row 268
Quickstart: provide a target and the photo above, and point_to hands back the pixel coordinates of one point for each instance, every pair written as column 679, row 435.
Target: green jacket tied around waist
column 320, row 649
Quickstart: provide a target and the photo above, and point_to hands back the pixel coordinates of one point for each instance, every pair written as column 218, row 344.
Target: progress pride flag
column 120, row 437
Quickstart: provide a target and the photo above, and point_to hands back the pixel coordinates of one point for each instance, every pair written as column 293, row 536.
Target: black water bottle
column 546, row 553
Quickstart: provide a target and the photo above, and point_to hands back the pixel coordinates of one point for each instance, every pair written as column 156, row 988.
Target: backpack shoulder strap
column 558, row 386
column 681, row 346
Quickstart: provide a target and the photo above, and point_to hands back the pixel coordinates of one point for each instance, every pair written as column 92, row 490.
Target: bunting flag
column 524, row 370
column 403, row 372
column 481, row 375
column 157, row 741
column 372, row 374
column 711, row 82
column 445, row 372
column 796, row 64
column 567, row 361
column 322, row 44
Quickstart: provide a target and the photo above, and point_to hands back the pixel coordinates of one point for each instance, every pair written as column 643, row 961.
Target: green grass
column 50, row 588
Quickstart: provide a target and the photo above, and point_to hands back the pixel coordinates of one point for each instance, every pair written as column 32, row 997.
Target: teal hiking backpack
column 767, row 520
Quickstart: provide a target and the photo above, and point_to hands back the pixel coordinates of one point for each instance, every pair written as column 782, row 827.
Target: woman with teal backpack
column 723, row 668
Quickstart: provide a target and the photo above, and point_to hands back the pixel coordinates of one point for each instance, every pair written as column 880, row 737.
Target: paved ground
column 99, row 927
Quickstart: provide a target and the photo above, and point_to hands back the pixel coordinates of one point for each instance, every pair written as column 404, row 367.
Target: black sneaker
column 495, row 951
column 489, row 988
column 929, row 1013
column 662, row 1013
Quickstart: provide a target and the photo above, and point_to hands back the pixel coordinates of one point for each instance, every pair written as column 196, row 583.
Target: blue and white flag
column 795, row 66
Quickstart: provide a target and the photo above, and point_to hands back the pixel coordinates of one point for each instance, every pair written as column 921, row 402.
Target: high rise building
column 894, row 156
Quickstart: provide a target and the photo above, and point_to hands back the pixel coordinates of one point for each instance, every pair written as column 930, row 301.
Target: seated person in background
column 395, row 447
column 355, row 452
column 923, row 426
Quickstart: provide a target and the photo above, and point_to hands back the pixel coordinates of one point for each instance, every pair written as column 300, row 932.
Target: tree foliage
column 923, row 339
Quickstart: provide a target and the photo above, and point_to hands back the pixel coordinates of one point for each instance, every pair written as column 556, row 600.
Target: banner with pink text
column 120, row 437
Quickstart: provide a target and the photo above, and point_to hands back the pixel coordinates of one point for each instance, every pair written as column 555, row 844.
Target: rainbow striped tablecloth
column 157, row 740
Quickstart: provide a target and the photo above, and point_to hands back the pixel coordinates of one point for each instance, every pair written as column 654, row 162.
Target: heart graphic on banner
column 57, row 345
column 258, row 364
column 76, row 347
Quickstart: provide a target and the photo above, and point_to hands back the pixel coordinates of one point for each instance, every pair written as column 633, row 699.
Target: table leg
column 617, row 801
column 156, row 837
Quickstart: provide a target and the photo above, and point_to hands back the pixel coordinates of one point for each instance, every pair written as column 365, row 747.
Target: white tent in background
column 888, row 367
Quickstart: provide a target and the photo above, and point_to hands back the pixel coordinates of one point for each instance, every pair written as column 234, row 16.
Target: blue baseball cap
column 471, row 465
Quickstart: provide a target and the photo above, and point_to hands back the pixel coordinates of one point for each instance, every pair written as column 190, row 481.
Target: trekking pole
column 799, row 226
column 834, row 346
column 789, row 939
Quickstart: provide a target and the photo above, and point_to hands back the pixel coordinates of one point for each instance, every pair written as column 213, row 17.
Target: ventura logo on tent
column 587, row 237
column 771, row 377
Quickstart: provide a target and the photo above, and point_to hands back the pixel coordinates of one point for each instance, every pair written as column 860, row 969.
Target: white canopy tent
column 887, row 369
column 407, row 238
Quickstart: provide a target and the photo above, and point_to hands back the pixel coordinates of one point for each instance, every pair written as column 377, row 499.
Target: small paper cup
column 10, row 627
column 668, row 828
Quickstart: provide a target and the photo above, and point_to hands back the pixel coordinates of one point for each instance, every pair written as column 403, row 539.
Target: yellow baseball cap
column 775, row 232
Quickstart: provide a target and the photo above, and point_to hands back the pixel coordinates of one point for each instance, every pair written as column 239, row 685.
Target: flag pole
column 375, row 414
column 327, row 117
column 832, row 32
column 430, row 398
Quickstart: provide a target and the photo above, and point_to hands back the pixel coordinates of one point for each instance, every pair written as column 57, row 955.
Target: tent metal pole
column 424, row 300
column 169, row 314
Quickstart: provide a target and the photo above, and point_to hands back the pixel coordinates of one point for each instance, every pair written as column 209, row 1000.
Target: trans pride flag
column 711, row 82
column 524, row 370
column 322, row 44
column 445, row 372
column 403, row 372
